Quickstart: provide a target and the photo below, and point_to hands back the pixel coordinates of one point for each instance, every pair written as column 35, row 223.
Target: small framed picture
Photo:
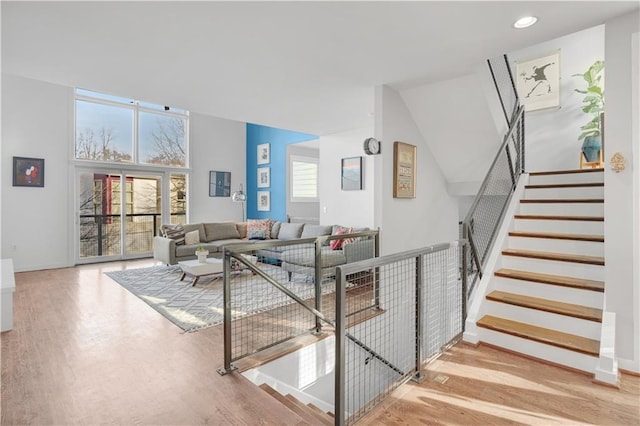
column 264, row 201
column 404, row 170
column 28, row 171
column 219, row 184
column 264, row 154
column 264, row 177
column 352, row 174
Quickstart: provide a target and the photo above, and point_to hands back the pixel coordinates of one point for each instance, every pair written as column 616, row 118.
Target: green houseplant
column 594, row 106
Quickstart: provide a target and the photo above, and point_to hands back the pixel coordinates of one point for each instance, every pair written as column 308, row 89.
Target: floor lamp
column 239, row 197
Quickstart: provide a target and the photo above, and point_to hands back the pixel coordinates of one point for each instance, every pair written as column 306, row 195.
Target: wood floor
column 85, row 351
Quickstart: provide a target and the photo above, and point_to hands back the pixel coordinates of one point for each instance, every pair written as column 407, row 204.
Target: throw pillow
column 259, row 229
column 221, row 231
column 337, row 244
column 242, row 229
column 175, row 232
column 275, row 229
column 192, row 237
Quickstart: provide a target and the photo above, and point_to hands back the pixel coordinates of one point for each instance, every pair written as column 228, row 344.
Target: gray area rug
column 196, row 307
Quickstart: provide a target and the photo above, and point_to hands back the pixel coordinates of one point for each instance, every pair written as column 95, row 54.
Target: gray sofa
column 296, row 258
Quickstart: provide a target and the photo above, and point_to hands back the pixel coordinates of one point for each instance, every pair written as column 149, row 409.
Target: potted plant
column 594, row 106
column 202, row 253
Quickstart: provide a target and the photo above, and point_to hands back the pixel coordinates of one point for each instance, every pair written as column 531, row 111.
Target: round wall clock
column 371, row 146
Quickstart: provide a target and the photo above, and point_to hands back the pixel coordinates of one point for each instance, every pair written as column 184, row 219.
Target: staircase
column 309, row 412
column 546, row 294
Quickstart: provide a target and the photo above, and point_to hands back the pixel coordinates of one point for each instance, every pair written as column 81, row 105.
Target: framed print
column 352, row 174
column 264, row 177
column 28, row 171
column 264, row 201
column 404, row 170
column 264, row 154
column 538, row 82
column 219, row 184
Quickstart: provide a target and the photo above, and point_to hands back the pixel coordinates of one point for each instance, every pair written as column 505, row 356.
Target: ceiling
column 304, row 66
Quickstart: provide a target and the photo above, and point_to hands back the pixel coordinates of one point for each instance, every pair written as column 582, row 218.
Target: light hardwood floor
column 85, row 351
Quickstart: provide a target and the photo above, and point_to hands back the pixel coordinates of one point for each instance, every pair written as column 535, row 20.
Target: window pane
column 103, row 132
column 178, row 195
column 161, row 139
column 104, row 96
column 304, row 179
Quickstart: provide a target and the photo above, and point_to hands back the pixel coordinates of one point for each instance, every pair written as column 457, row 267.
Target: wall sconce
column 617, row 162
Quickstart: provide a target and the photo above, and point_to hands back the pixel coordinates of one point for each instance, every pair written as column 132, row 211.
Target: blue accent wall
column 278, row 139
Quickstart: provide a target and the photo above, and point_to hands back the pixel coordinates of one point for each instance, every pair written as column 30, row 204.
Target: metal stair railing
column 487, row 211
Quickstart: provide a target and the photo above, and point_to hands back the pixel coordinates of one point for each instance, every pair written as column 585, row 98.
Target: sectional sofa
column 180, row 243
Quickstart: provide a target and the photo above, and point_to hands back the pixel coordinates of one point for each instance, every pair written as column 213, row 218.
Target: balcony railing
column 100, row 234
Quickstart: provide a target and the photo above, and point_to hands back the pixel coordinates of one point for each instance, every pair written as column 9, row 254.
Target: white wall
column 216, row 145
column 348, row 208
column 552, row 135
column 621, row 290
column 455, row 120
column 431, row 217
column 37, row 121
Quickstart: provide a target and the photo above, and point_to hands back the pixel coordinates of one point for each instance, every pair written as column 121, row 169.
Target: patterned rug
column 196, row 307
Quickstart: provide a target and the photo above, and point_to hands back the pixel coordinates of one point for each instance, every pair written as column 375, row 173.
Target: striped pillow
column 175, row 232
column 338, row 244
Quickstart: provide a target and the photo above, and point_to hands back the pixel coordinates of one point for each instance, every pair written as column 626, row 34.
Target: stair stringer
column 606, row 370
column 476, row 307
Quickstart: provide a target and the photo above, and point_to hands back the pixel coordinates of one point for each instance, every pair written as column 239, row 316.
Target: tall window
column 114, row 129
column 304, row 179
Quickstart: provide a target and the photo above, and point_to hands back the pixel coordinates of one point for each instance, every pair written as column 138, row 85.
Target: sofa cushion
column 259, row 229
column 175, row 232
column 220, row 243
column 184, row 250
column 275, row 229
column 315, row 231
column 192, row 237
column 330, row 258
column 242, row 229
column 199, row 227
column 221, row 231
column 290, row 231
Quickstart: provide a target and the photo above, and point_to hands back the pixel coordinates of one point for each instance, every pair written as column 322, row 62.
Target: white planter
column 202, row 256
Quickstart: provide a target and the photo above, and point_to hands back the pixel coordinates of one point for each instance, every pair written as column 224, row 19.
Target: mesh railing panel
column 505, row 86
column 263, row 315
column 486, row 213
column 419, row 300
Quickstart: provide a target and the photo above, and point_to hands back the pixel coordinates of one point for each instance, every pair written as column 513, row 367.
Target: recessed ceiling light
column 525, row 22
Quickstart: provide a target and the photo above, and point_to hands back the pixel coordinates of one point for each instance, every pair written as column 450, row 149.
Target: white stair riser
column 560, row 226
column 563, row 323
column 539, row 350
column 586, row 248
column 563, row 209
column 567, row 178
column 565, row 193
column 592, row 299
column 569, row 269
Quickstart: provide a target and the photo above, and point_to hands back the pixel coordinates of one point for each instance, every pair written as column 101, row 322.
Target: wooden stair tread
column 287, row 402
column 543, row 335
column 309, row 412
column 561, row 308
column 564, row 172
column 558, row 236
column 565, row 185
column 560, row 257
column 559, row 217
column 561, row 200
column 559, row 280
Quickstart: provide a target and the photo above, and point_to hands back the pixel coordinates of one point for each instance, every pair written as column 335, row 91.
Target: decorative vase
column 591, row 148
column 202, row 256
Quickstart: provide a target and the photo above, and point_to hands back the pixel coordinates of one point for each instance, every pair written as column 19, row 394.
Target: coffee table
column 197, row 269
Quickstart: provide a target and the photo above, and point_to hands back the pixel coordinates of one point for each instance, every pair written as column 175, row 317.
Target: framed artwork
column 352, row 174
column 264, row 154
column 219, row 184
column 28, row 171
column 404, row 170
column 538, row 82
column 264, row 201
column 264, row 177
